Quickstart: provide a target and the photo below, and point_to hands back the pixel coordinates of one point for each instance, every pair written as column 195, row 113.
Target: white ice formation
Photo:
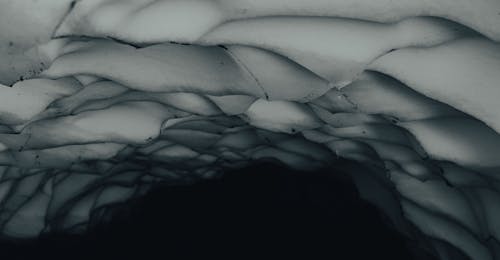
column 103, row 98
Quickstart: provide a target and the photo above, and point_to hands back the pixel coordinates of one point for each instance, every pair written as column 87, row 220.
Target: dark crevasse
column 261, row 211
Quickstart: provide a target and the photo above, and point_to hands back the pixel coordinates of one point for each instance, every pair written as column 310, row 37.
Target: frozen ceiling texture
column 101, row 99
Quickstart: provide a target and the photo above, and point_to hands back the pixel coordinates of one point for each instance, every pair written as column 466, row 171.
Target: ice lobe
column 25, row 99
column 25, row 43
column 462, row 73
column 346, row 46
column 126, row 19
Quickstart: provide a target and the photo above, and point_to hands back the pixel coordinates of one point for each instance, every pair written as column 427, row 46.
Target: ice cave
column 104, row 101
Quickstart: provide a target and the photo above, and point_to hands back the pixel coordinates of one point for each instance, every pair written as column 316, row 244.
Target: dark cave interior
column 264, row 210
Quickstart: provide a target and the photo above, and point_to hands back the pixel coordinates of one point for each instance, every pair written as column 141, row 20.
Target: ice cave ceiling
column 102, row 99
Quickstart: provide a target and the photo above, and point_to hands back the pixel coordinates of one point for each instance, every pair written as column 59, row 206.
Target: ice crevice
column 130, row 94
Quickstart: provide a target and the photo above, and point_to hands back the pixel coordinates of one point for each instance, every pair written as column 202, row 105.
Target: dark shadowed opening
column 261, row 211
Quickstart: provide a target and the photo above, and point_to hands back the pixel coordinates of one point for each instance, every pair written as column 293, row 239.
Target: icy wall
column 101, row 99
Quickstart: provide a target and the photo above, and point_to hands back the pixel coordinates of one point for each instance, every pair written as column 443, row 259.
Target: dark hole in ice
column 261, row 211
